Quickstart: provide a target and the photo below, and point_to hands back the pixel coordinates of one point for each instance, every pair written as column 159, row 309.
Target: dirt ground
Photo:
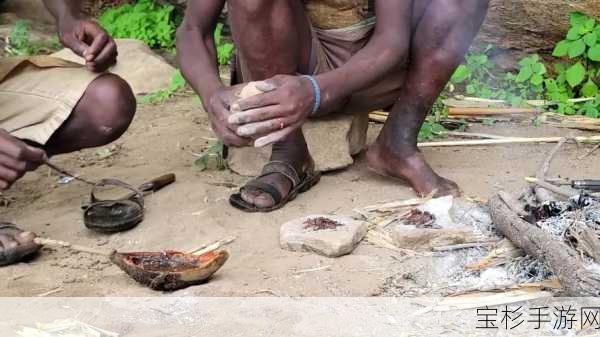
column 195, row 211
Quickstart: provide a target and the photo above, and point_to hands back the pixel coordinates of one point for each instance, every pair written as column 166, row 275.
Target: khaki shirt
column 10, row 64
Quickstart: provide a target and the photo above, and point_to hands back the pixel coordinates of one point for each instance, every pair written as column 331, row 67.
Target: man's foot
column 410, row 166
column 15, row 244
column 299, row 160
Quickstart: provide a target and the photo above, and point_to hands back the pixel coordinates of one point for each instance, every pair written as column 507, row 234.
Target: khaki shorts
column 35, row 101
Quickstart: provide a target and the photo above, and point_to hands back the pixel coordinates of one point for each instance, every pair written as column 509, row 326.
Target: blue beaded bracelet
column 317, row 92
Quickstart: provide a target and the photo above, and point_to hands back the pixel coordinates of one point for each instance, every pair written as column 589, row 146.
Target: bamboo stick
column 488, row 111
column 520, row 140
column 68, row 245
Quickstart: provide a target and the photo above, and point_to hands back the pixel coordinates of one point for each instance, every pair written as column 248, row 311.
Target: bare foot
column 410, row 166
column 298, row 158
column 15, row 244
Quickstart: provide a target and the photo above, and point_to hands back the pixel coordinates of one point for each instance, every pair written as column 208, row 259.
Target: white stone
column 295, row 236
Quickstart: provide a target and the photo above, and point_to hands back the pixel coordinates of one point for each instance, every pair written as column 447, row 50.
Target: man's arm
column 197, row 57
column 64, row 9
column 196, row 46
column 387, row 49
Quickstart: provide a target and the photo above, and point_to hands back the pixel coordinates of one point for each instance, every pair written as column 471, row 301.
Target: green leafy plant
column 161, row 96
column 478, row 77
column 144, row 20
column 21, row 44
column 225, row 50
column 571, row 86
column 213, row 158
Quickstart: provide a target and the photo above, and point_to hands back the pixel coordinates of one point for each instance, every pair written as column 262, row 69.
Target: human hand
column 87, row 39
column 217, row 106
column 285, row 104
column 16, row 158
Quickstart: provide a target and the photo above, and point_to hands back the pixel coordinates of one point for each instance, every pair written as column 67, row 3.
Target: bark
column 531, row 25
column 565, row 263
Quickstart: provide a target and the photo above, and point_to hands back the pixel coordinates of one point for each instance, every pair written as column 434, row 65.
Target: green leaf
column 524, row 74
column 591, row 39
column 562, row 48
column 573, row 34
column 578, row 18
column 594, row 53
column 589, row 24
column 575, row 74
column 590, row 89
column 461, row 74
column 577, row 48
column 537, row 79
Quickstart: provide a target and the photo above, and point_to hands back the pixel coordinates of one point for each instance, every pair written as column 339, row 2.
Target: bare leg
column 442, row 36
column 102, row 115
column 273, row 37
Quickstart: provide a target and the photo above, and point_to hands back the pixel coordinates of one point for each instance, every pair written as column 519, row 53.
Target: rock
column 424, row 239
column 332, row 142
column 331, row 236
column 32, row 10
column 137, row 64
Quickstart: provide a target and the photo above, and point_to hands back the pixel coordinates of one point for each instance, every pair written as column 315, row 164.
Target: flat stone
column 425, row 239
column 333, row 237
column 332, row 141
column 143, row 69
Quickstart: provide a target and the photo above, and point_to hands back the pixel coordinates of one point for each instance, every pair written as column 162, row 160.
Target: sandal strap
column 264, row 187
column 283, row 168
column 7, row 225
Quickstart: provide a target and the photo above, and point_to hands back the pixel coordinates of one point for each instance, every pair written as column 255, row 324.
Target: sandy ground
column 195, row 211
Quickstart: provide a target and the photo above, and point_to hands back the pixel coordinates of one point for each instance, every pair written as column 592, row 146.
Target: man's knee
column 109, row 105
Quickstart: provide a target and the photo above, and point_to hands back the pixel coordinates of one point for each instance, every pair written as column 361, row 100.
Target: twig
column 213, row 246
column 311, row 270
column 543, row 171
column 68, row 245
column 51, row 292
column 594, row 149
column 474, row 135
column 463, row 246
column 397, row 204
column 266, row 291
column 550, row 187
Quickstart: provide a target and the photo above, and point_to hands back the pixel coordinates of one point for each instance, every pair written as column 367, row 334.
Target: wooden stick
column 489, row 111
column 543, row 194
column 474, row 135
column 594, row 139
column 213, row 246
column 463, row 246
column 68, row 245
column 550, row 187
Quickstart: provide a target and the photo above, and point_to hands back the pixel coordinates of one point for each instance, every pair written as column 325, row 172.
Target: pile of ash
column 576, row 222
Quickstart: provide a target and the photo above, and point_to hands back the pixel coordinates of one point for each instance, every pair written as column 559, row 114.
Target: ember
column 319, row 224
column 419, row 219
